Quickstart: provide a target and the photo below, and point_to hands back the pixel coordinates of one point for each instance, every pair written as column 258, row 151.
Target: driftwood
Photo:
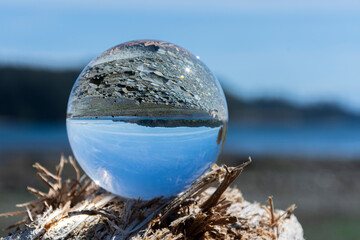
column 79, row 209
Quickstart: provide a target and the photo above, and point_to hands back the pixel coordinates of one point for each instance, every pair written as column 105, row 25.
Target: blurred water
column 316, row 139
column 33, row 137
column 339, row 140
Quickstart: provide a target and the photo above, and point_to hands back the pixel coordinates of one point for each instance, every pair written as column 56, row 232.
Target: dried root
column 78, row 208
column 61, row 192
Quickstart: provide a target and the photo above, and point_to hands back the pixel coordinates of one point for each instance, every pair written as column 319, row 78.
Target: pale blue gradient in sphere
column 138, row 161
column 146, row 119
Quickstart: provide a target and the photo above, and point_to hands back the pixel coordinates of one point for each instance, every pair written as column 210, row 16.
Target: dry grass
column 78, row 208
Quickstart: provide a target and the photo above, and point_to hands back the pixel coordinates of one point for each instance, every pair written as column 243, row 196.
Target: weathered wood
column 72, row 209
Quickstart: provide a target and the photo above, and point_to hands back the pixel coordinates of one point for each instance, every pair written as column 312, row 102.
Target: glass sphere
column 146, row 119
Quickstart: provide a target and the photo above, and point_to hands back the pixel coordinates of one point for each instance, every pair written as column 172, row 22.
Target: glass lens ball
column 146, row 119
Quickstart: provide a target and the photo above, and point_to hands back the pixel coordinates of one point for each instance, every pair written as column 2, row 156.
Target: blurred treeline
column 34, row 94
column 37, row 95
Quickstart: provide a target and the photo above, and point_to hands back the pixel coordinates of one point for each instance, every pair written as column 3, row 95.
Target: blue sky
column 302, row 50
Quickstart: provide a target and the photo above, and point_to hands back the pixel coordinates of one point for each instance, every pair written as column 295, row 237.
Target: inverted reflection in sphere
column 146, row 119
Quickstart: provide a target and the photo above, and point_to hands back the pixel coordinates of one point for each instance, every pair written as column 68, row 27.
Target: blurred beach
column 327, row 193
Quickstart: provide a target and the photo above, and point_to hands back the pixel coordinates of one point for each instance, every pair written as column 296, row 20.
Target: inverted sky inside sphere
column 146, row 119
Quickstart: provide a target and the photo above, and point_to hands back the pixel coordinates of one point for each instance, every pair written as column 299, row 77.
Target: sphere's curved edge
column 146, row 113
